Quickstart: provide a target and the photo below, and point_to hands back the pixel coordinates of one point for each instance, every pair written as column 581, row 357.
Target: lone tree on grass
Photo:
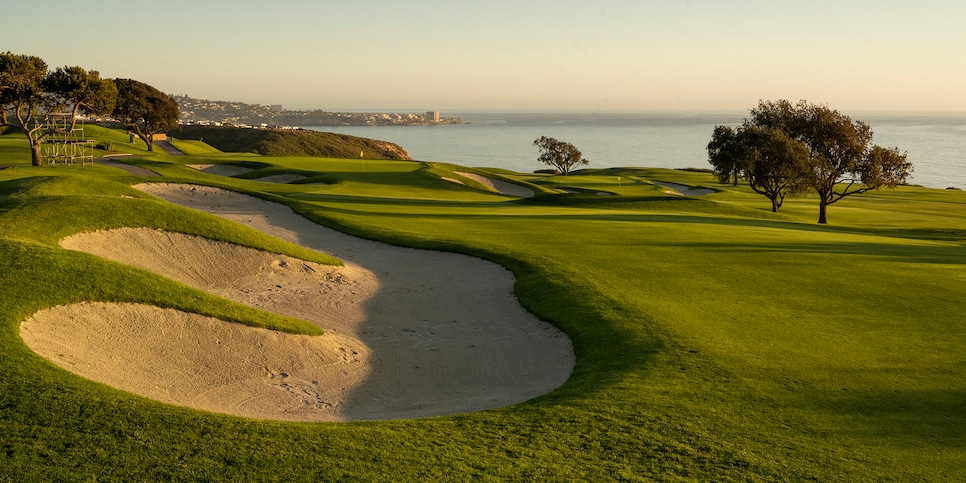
column 771, row 161
column 562, row 156
column 841, row 159
column 34, row 94
column 145, row 110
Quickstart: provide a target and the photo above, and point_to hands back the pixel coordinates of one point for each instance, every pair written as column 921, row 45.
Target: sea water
column 936, row 144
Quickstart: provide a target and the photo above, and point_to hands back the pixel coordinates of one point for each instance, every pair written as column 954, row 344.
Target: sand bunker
column 195, row 361
column 500, row 186
column 409, row 333
column 220, row 169
column 681, row 189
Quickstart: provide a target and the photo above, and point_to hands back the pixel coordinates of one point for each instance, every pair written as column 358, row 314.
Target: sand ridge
column 499, row 186
column 684, row 190
column 409, row 333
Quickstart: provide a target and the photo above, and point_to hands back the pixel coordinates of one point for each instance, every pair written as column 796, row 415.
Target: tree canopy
column 83, row 91
column 561, row 155
column 771, row 161
column 145, row 110
column 21, row 89
column 785, row 148
column 34, row 94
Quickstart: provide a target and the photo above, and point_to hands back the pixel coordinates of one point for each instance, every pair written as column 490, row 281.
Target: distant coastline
column 206, row 112
column 670, row 139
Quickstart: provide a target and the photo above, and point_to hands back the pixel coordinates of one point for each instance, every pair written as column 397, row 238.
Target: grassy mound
column 290, row 143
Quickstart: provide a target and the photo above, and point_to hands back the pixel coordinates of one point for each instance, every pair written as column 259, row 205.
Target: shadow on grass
column 906, row 253
column 905, row 418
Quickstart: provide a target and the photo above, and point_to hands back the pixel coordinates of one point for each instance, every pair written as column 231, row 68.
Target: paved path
column 167, row 147
column 132, row 170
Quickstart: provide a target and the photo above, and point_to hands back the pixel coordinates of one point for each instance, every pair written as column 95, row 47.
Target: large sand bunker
column 683, row 189
column 499, row 186
column 409, row 333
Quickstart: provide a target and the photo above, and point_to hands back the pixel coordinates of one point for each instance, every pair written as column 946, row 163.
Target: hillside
column 290, row 143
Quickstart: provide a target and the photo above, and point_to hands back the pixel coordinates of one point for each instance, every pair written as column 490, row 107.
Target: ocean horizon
column 935, row 143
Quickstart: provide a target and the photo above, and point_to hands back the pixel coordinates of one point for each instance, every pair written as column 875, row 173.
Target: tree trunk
column 775, row 205
column 147, row 138
column 36, row 157
column 822, row 208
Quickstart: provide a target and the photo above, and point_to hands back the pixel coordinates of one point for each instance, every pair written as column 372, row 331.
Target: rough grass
column 714, row 340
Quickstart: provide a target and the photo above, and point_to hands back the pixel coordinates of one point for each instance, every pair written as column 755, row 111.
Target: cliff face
column 392, row 150
column 291, row 143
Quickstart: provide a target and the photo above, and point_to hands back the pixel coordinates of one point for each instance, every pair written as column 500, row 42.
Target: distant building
column 275, row 108
column 432, row 116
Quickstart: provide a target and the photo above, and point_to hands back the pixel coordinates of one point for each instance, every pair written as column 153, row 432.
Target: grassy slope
column 714, row 339
column 290, row 143
column 194, row 147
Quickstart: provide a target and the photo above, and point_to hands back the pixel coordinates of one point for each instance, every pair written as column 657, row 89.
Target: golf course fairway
column 710, row 339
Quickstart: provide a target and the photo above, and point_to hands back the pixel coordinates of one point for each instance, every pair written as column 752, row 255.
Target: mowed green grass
column 193, row 147
column 714, row 340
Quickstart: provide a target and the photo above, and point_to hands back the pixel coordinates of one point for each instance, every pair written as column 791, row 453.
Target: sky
column 563, row 55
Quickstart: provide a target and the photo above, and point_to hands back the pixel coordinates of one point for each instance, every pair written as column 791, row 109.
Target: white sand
column 409, row 333
column 499, row 186
column 681, row 189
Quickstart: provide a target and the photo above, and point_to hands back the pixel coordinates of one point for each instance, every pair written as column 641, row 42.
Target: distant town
column 240, row 114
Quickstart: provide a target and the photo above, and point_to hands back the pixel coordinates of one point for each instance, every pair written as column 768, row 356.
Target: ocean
column 936, row 144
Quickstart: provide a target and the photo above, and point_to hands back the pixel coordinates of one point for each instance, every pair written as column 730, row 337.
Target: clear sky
column 854, row 55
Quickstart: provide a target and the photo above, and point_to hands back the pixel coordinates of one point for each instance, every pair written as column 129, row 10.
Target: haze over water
column 935, row 143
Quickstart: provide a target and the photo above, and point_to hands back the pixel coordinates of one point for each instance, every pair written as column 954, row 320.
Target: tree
column 34, row 94
column 21, row 79
column 8, row 72
column 773, row 163
column 842, row 161
column 82, row 91
column 727, row 154
column 145, row 110
column 560, row 155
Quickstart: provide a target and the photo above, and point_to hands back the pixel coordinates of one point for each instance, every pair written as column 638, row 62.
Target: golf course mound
column 408, row 333
column 220, row 169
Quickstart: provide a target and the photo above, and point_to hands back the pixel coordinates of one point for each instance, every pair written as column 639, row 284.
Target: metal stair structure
column 64, row 145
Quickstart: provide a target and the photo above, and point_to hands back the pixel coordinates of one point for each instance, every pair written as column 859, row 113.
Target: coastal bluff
column 290, row 142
